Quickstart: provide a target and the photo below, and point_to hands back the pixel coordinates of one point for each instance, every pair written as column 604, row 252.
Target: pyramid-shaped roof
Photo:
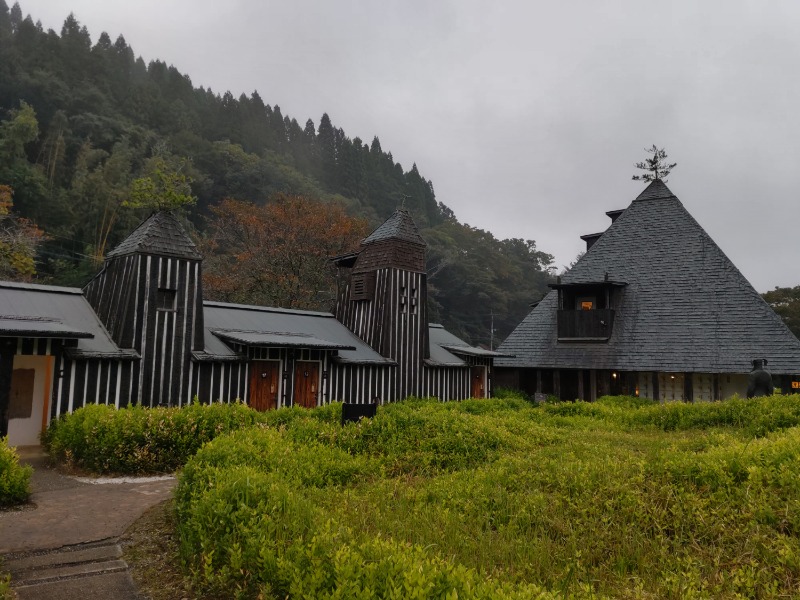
column 685, row 308
column 400, row 226
column 161, row 234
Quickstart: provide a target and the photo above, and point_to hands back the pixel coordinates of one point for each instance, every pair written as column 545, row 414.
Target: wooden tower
column 149, row 297
column 384, row 300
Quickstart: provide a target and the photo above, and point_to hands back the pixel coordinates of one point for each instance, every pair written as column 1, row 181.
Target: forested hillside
column 85, row 122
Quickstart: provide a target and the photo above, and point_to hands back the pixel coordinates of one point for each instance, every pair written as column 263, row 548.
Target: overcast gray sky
column 527, row 115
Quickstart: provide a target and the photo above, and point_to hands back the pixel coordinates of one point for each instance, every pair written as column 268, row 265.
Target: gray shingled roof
column 686, row 307
column 44, row 311
column 222, row 320
column 445, row 348
column 400, row 226
column 161, row 234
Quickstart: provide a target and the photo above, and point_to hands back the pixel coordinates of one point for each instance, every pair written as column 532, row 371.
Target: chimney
column 591, row 238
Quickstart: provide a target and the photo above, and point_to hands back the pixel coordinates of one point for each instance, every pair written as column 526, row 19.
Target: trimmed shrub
column 14, row 478
column 502, row 499
column 249, row 527
column 103, row 439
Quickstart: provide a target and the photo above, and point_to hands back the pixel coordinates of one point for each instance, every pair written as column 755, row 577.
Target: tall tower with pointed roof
column 384, row 300
column 149, row 297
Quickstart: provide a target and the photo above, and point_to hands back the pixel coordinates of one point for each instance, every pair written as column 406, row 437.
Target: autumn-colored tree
column 277, row 254
column 18, row 240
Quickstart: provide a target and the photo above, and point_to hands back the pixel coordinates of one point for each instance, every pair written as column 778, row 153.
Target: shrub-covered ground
column 502, row 499
column 14, row 478
column 137, row 440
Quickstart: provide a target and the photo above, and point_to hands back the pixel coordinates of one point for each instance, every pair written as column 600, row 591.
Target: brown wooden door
column 306, row 383
column 264, row 380
column 479, row 382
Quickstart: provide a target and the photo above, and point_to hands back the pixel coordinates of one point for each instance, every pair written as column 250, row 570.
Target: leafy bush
column 249, row 527
column 104, row 439
column 502, row 499
column 14, row 478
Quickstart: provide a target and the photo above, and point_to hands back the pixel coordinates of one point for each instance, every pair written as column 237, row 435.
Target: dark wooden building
column 141, row 333
column 654, row 308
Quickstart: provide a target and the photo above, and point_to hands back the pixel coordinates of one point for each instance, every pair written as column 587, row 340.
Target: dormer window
column 586, row 310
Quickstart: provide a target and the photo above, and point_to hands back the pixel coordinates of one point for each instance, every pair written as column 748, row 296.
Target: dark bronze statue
column 760, row 381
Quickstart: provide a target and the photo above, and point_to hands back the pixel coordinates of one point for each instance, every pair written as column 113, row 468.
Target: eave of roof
column 274, row 339
column 474, row 351
column 39, row 328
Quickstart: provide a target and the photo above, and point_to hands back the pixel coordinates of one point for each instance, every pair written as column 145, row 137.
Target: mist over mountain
column 83, row 120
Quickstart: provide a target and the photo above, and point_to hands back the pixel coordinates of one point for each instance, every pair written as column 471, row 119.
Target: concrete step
column 106, row 586
column 46, row 575
column 68, row 556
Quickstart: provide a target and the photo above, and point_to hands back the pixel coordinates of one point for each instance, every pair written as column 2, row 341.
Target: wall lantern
column 614, row 375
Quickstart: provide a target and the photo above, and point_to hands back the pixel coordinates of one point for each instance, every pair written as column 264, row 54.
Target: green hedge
column 14, row 478
column 501, row 499
column 249, row 526
column 137, row 440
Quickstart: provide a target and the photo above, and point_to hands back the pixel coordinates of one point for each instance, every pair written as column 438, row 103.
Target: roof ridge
column 400, row 226
column 656, row 189
column 273, row 309
column 160, row 234
column 39, row 287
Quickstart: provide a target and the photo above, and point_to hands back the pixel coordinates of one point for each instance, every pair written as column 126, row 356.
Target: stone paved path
column 64, row 546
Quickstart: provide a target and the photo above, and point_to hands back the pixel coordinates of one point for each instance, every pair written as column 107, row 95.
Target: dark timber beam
column 656, row 391
column 8, row 348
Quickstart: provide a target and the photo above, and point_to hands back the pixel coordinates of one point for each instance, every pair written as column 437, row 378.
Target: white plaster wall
column 733, row 384
column 670, row 386
column 702, row 387
column 25, row 432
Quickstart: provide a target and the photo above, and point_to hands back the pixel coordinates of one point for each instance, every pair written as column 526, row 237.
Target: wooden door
column 306, row 383
column 264, row 384
column 479, row 382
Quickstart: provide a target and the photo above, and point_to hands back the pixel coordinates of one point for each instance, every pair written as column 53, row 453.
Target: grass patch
column 621, row 498
column 150, row 548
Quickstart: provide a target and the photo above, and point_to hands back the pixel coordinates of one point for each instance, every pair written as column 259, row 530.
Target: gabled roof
column 686, row 307
column 447, row 350
column 161, row 234
column 400, row 226
column 279, row 327
column 45, row 311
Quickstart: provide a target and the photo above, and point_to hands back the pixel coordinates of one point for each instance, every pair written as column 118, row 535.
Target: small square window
column 165, row 299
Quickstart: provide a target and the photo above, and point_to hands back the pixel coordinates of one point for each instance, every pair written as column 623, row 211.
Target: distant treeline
column 82, row 121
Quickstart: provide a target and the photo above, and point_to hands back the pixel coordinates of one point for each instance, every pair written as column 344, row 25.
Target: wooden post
column 7, row 352
column 656, row 391
column 580, row 385
column 715, row 386
column 557, row 384
column 593, row 385
column 538, row 381
column 688, row 390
